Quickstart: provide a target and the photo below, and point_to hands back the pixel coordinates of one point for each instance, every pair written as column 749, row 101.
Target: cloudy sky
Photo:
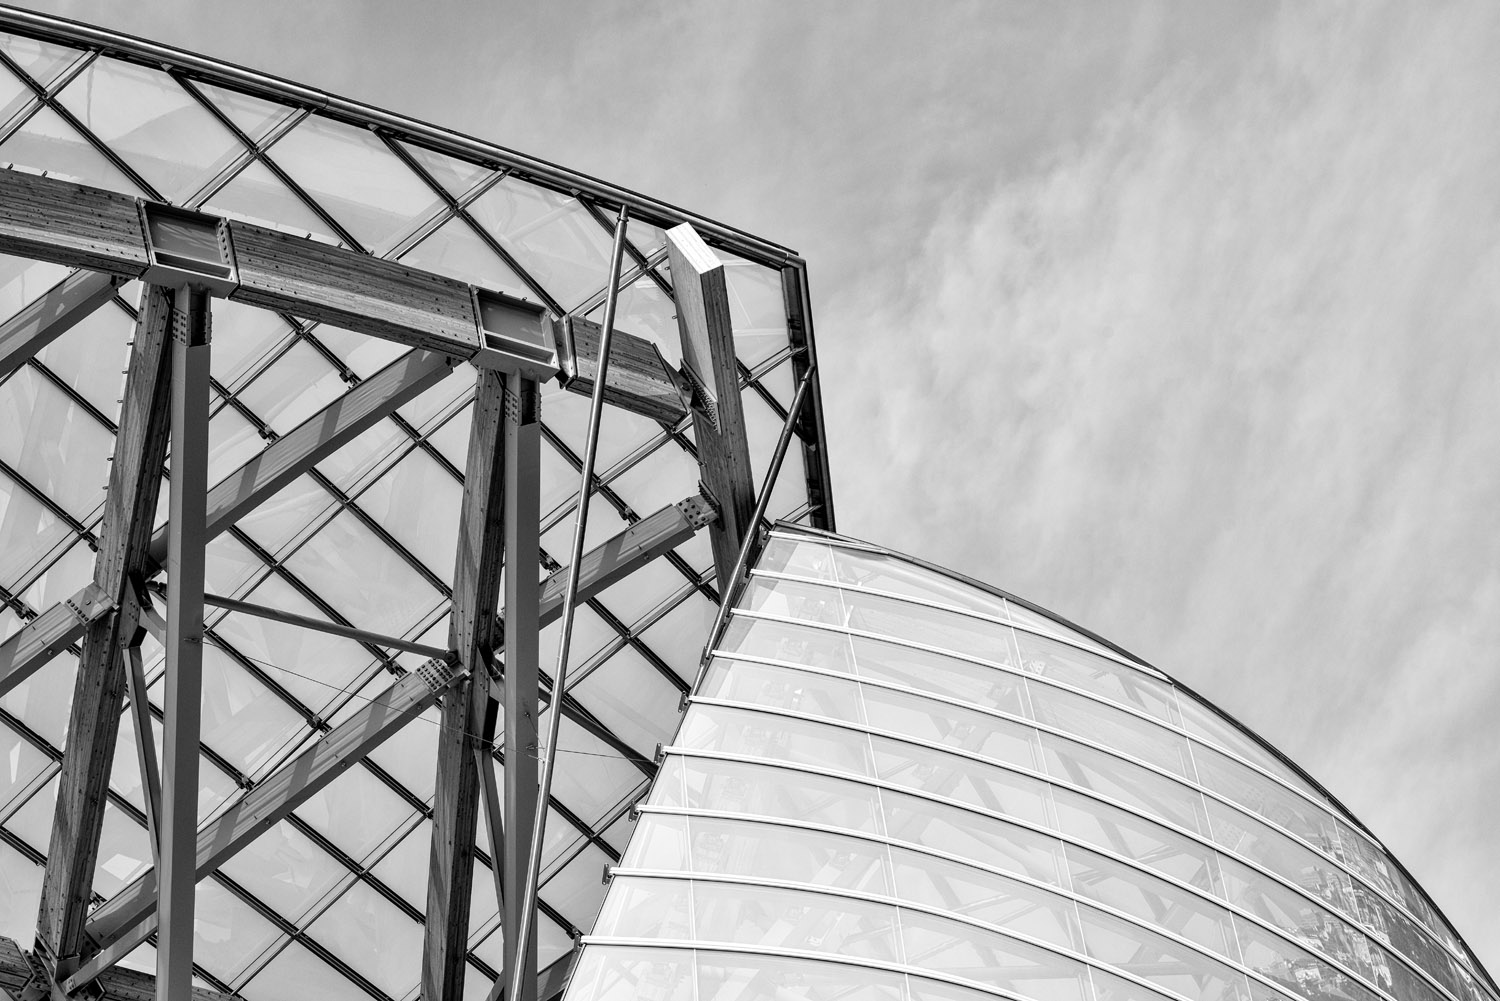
column 1180, row 319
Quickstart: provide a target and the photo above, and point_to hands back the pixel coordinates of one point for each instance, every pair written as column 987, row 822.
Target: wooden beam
column 49, row 219
column 240, row 492
column 129, row 507
column 126, row 919
column 348, row 289
column 637, row 379
column 708, row 358
column 18, row 975
column 52, row 314
column 468, row 712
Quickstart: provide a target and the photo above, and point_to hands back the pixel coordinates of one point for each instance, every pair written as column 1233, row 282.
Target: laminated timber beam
column 19, row 978
column 52, row 314
column 280, row 463
column 48, row 219
column 703, row 323
column 98, row 696
column 124, row 921
column 468, row 711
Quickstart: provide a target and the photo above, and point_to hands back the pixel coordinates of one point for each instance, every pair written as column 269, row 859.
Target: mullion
column 479, row 231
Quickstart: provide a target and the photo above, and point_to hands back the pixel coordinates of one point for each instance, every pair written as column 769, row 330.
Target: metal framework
column 164, row 616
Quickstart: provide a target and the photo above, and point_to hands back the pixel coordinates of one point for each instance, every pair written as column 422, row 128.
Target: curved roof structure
column 330, row 901
column 895, row 783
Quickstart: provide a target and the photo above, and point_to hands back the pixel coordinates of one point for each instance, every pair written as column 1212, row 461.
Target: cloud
column 1222, row 381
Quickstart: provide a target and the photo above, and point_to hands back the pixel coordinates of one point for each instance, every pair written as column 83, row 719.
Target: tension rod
column 570, row 599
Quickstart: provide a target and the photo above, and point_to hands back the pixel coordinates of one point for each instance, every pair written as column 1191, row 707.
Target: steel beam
column 522, row 617
column 322, row 626
column 468, row 711
column 126, row 919
column 182, row 718
column 240, row 492
column 98, row 694
column 51, row 315
column 703, row 323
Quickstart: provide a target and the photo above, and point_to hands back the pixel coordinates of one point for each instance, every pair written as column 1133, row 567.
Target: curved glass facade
column 891, row 783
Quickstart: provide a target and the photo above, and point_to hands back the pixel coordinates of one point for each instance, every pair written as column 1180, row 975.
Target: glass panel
column 1204, row 721
column 56, row 445
column 961, row 779
column 1113, row 681
column 966, row 835
column 727, row 976
column 757, row 309
column 643, row 591
column 22, row 280
column 286, row 869
column 1261, row 795
column 1174, row 966
column 362, row 577
column 762, row 430
column 356, row 179
column 298, row 975
column 618, row 973
column 152, row 124
column 890, row 573
column 644, row 310
column 963, row 950
column 647, row 908
column 632, row 698
column 678, row 636
column 943, row 723
column 767, row 851
column 362, row 353
column 789, row 600
column 455, row 250
column 44, row 62
column 566, row 415
column 227, row 934
column 418, row 502
column 798, row 557
column 782, row 688
column 20, row 894
column 786, row 642
column 357, row 812
column 1293, row 913
column 297, row 385
column 456, row 176
column 253, row 116
column 1155, row 795
column 550, row 234
column 28, row 531
column 47, row 142
column 1136, row 838
column 934, row 627
column 776, row 918
column 970, row 683
column 1040, row 621
column 1154, row 901
column 1295, row 969
column 258, row 196
column 243, row 720
column 659, row 842
column 1275, row 851
column 577, row 891
column 1102, row 724
column 604, row 778
column 759, row 790
column 779, row 738
column 91, row 356
column 965, row 891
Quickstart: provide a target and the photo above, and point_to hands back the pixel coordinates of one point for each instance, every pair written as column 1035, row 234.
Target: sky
column 1178, row 319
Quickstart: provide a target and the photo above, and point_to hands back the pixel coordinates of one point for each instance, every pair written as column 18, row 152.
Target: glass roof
column 329, row 903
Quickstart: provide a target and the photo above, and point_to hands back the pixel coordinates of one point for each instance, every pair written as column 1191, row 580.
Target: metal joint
column 438, row 674
column 697, row 510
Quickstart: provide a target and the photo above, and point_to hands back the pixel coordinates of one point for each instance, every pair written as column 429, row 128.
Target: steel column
column 522, row 597
column 521, row 907
column 184, row 670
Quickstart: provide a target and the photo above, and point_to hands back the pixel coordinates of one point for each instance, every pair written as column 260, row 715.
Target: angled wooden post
column 718, row 416
column 468, row 710
column 130, row 505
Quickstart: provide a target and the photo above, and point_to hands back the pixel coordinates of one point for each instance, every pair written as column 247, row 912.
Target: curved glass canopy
column 329, row 903
column 893, row 783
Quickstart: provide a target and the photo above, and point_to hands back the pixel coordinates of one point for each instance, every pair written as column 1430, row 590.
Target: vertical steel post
column 523, row 982
column 184, row 673
column 522, row 599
